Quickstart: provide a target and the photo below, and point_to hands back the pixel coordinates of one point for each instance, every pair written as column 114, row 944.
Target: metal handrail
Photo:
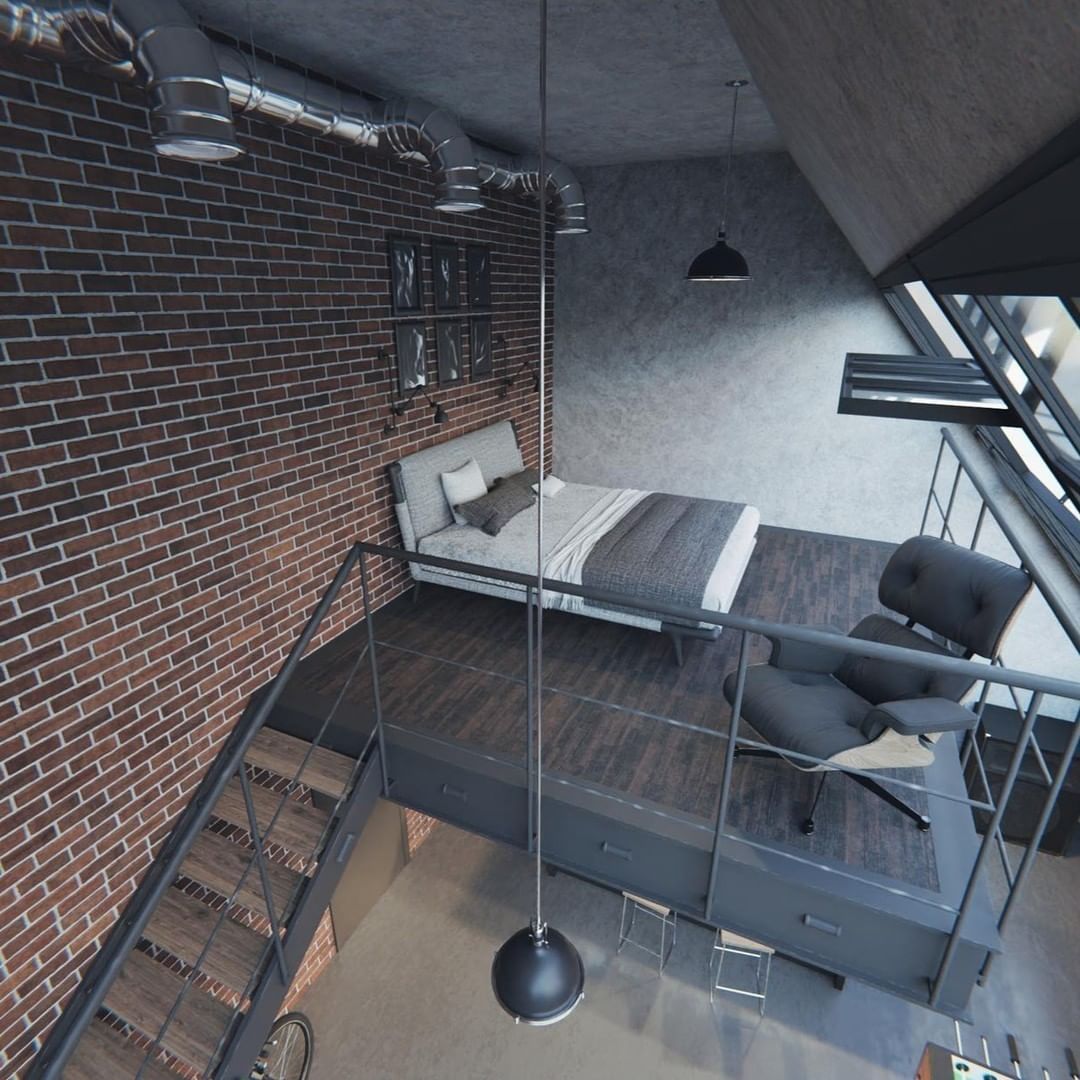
column 898, row 654
column 994, row 672
column 1069, row 619
column 106, row 966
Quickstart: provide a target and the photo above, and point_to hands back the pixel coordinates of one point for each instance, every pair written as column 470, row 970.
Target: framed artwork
column 447, row 278
column 480, row 333
column 448, row 350
column 478, row 266
column 406, row 287
column 411, row 356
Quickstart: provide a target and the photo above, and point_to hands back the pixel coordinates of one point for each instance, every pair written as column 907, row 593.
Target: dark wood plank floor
column 429, row 652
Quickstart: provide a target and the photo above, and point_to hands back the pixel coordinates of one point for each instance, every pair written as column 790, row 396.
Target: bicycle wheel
column 289, row 1047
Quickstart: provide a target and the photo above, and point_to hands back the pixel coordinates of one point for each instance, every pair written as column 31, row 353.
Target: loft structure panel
column 930, row 105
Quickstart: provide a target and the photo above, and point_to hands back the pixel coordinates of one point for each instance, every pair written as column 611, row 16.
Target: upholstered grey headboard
column 419, row 501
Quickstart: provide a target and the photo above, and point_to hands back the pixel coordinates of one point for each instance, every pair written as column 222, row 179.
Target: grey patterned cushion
column 492, row 511
column 526, row 478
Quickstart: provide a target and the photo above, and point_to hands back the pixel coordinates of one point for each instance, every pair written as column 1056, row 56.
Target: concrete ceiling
column 629, row 80
column 901, row 113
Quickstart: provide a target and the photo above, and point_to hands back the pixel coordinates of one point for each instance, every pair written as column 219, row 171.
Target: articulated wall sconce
column 510, row 379
column 399, row 408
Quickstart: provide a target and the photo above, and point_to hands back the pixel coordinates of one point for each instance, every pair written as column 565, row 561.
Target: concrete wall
column 728, row 390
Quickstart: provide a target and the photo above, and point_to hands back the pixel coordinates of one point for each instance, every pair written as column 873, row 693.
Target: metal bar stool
column 728, row 942
column 668, row 920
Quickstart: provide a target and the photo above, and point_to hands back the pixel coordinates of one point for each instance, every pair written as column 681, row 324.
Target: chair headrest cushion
column 963, row 595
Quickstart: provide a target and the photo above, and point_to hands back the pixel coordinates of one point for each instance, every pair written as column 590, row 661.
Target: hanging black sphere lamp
column 721, row 262
column 537, row 974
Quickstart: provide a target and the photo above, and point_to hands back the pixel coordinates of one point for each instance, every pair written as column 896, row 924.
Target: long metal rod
column 292, row 905
column 1006, row 864
column 530, row 689
column 1028, row 861
column 933, row 484
column 1069, row 619
column 542, row 450
column 730, row 160
column 369, row 622
column 954, row 665
column 100, row 977
column 585, row 699
column 978, row 524
column 264, row 874
column 274, row 942
column 984, row 851
column 729, row 763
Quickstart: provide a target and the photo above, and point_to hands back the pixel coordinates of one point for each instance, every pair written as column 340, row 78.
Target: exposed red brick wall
column 417, row 828
column 192, row 404
column 320, row 952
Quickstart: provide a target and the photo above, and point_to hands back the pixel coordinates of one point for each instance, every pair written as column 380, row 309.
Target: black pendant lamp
column 720, row 262
column 537, row 974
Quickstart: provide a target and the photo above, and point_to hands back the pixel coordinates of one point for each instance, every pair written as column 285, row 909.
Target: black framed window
column 1029, row 346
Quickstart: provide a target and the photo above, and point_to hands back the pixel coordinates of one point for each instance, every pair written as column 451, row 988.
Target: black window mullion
column 1067, row 477
column 1029, row 364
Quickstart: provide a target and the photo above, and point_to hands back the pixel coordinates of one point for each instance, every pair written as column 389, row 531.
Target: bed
column 670, row 548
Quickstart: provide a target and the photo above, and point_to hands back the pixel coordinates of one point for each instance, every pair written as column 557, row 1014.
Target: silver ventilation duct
column 521, row 173
column 153, row 40
column 192, row 83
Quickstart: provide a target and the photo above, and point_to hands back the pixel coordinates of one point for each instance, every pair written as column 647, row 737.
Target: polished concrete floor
column 409, row 997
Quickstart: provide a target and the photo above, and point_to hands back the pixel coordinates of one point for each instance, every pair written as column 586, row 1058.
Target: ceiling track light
column 721, row 262
column 537, row 974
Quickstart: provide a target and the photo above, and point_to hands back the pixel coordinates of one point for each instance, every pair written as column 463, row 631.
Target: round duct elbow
column 418, row 131
column 190, row 115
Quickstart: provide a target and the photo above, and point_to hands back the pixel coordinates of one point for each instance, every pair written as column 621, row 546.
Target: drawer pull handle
column 618, row 852
column 455, row 792
column 820, row 924
column 346, row 847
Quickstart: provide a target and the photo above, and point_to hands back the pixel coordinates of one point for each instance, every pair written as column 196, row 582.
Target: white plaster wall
column 728, row 390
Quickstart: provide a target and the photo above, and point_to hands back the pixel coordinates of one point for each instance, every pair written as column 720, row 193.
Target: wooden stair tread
column 104, row 1053
column 181, row 924
column 299, row 826
column 326, row 771
column 217, row 862
column 143, row 994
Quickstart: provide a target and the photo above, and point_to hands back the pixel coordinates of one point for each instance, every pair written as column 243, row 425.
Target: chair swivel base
column 882, row 792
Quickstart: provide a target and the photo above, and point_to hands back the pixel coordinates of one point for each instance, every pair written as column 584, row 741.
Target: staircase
column 197, row 968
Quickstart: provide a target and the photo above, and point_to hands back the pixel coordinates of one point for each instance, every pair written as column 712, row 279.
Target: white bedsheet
column 574, row 520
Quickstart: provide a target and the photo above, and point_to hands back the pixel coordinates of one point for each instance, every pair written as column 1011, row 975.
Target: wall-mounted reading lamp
column 511, row 378
column 399, row 408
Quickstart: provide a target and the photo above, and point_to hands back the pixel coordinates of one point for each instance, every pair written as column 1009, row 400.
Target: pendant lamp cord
column 542, row 451
column 730, row 159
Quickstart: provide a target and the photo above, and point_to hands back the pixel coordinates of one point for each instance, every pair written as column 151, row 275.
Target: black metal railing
column 1039, row 685
column 90, row 996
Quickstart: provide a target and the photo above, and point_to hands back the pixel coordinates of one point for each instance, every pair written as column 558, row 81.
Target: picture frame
column 406, row 276
column 446, row 275
column 451, row 359
column 478, row 273
column 411, row 341
column 480, row 347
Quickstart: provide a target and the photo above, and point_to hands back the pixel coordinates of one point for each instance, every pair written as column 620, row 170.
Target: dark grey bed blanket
column 664, row 549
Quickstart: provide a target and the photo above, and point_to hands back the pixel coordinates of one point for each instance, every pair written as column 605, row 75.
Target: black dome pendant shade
column 538, row 976
column 720, row 262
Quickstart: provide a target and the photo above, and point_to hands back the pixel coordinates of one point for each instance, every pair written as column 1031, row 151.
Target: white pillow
column 462, row 486
column 552, row 486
